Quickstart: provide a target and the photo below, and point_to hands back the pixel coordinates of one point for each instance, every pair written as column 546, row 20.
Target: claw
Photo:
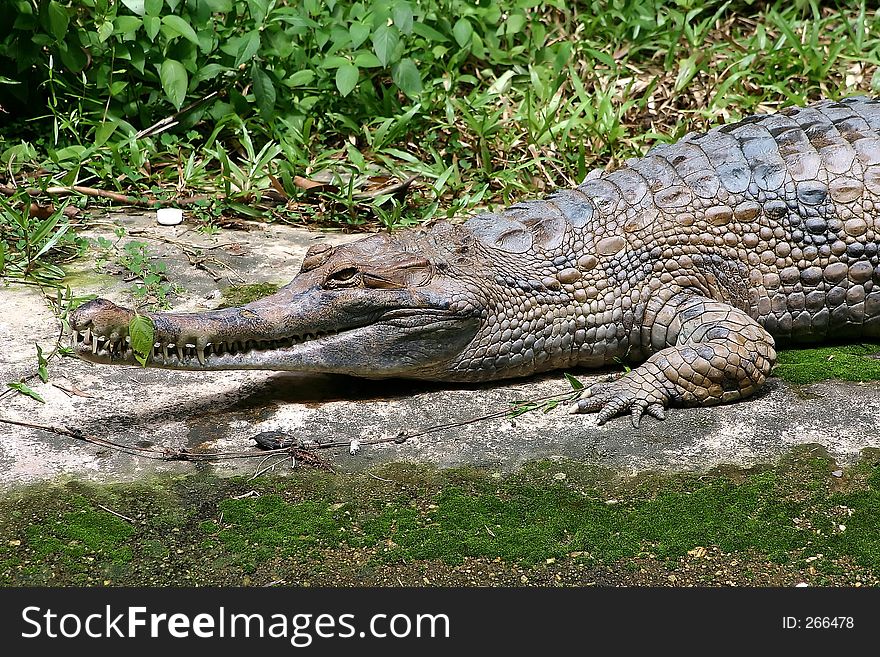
column 656, row 411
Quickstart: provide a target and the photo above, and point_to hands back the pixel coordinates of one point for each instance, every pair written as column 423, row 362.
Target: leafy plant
column 151, row 284
column 30, row 246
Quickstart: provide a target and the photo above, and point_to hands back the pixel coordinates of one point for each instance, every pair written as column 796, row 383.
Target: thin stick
column 118, row 515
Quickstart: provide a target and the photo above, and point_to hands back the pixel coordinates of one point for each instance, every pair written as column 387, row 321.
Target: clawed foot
column 634, row 393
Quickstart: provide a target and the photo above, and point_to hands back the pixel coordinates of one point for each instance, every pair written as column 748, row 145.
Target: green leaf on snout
column 142, row 332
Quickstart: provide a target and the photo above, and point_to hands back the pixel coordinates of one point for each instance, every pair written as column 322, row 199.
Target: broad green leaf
column 334, row 61
column 429, row 33
column 300, row 78
column 151, row 26
column 127, row 24
column 105, row 130
column 346, row 78
column 258, row 9
column 248, row 47
column 105, row 31
column 142, row 332
column 58, row 19
column 180, row 27
column 385, row 41
column 219, row 6
column 72, row 55
column 462, row 32
column 76, row 153
column 367, row 60
column 25, row 390
column 407, row 77
column 402, row 15
column 515, row 23
column 264, row 90
column 207, row 72
column 174, row 81
column 136, row 6
column 153, row 7
column 358, row 33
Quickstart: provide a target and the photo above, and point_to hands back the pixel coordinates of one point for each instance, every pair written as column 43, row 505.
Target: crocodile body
column 693, row 261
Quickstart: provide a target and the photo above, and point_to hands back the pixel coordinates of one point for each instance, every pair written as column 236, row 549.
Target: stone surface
column 223, row 410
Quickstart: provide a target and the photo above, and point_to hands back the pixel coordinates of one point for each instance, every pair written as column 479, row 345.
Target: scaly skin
column 692, row 260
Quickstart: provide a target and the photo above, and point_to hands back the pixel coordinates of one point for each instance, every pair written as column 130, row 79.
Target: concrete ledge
column 223, row 410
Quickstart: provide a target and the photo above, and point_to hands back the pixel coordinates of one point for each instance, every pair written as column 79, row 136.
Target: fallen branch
column 292, row 448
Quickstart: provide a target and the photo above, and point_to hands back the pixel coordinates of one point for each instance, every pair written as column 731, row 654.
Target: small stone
column 169, row 216
column 559, row 476
column 801, row 584
column 837, row 473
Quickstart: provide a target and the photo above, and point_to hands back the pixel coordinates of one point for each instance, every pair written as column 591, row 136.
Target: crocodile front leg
column 717, row 354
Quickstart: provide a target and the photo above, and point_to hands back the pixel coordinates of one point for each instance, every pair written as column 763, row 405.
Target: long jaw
column 199, row 355
column 289, row 331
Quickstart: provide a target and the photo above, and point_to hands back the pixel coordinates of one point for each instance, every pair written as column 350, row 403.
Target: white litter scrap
column 169, row 216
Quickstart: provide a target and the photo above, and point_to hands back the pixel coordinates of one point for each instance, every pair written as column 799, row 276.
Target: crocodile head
column 374, row 308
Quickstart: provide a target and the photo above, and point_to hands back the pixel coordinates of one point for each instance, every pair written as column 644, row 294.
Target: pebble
column 169, row 216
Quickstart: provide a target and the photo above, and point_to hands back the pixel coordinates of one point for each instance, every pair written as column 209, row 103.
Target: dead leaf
column 71, row 389
column 313, row 185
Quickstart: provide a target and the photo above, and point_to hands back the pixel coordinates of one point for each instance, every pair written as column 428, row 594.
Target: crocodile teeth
column 95, row 346
column 180, row 352
column 165, row 352
column 200, row 352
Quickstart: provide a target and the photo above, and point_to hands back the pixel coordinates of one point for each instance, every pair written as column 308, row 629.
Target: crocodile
column 691, row 262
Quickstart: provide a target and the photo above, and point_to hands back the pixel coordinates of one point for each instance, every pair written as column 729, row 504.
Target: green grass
column 857, row 362
column 325, row 528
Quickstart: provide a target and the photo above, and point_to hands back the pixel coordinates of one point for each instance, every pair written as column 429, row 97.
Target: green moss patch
column 238, row 295
column 550, row 523
column 859, row 362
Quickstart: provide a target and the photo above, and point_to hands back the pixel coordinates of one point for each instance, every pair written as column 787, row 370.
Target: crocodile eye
column 346, row 277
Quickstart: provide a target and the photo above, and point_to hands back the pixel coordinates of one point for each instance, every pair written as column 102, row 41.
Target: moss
column 860, row 362
column 79, row 539
column 328, row 528
column 238, row 295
